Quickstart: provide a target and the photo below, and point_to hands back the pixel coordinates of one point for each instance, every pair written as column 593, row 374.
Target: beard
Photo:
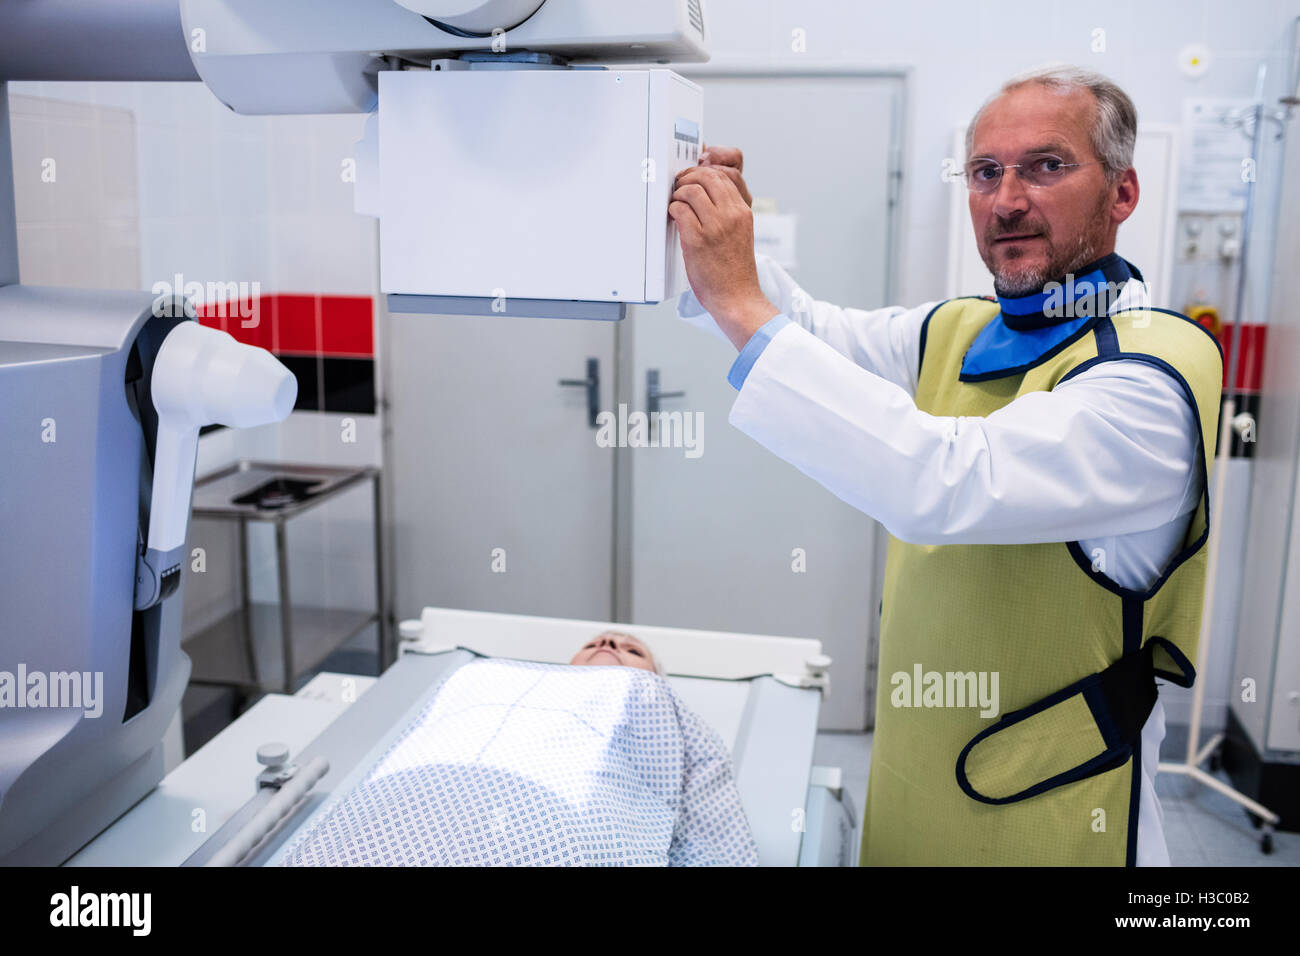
column 1013, row 279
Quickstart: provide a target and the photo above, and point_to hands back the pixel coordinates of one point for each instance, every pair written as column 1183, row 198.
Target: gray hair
column 654, row 659
column 659, row 664
column 1114, row 125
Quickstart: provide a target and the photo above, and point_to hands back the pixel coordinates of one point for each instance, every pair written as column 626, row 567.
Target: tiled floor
column 1202, row 827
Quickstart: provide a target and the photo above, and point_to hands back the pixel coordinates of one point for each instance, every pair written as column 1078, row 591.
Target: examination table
column 229, row 804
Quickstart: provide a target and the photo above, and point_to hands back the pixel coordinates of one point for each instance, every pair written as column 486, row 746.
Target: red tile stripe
column 1250, row 371
column 290, row 324
column 343, row 326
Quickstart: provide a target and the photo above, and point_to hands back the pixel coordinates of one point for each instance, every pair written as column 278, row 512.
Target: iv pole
column 1197, row 755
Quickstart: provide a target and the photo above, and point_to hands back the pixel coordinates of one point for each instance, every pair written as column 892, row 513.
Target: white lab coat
column 1107, row 458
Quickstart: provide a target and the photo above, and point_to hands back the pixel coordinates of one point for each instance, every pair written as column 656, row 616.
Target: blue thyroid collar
column 1034, row 327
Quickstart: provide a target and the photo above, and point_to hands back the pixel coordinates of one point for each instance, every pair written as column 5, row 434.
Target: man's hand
column 732, row 162
column 716, row 227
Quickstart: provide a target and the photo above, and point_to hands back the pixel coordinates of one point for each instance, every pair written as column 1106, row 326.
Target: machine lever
column 157, row 575
column 592, row 384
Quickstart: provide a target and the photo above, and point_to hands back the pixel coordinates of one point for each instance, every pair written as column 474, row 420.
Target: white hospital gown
column 518, row 763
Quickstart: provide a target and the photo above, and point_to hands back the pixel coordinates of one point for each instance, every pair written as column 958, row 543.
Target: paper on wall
column 1215, row 174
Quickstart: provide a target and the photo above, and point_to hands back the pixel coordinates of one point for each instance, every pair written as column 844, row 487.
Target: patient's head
column 614, row 648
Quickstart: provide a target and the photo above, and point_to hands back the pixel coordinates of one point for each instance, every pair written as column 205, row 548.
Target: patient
column 518, row 762
column 613, row 648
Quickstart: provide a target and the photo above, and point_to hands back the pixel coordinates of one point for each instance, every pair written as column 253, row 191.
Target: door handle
column 653, row 393
column 592, row 384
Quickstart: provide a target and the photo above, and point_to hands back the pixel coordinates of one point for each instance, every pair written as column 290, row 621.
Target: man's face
column 1059, row 227
column 613, row 649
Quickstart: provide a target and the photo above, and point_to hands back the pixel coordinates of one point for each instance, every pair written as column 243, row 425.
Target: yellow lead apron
column 1054, row 777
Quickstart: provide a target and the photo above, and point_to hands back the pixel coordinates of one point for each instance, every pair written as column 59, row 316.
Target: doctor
column 1040, row 462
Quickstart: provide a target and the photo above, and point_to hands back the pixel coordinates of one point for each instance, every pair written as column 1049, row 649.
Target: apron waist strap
column 1087, row 728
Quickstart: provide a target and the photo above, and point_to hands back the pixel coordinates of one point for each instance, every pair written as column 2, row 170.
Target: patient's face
column 613, row 649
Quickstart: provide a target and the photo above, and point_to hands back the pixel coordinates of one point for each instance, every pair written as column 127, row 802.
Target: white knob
column 411, row 630
column 817, row 664
column 273, row 754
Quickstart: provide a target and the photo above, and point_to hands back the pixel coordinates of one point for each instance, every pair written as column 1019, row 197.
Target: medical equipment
column 1230, row 422
column 104, row 391
column 506, row 178
column 760, row 693
column 323, row 56
column 201, row 377
column 104, row 394
column 1260, row 748
column 510, row 231
column 507, row 175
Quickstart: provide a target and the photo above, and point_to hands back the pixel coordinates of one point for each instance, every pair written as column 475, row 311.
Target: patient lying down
column 614, row 648
column 518, row 763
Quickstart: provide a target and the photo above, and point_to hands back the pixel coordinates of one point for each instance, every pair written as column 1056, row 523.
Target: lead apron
column 1054, row 777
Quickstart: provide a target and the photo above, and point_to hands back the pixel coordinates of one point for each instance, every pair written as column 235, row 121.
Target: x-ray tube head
column 203, row 376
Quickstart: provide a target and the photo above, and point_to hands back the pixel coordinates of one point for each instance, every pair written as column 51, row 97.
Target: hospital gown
column 518, row 763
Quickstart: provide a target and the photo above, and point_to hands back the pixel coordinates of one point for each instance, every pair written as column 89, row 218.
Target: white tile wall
column 76, row 193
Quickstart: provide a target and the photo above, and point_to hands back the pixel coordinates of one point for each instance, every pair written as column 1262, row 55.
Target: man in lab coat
column 1040, row 462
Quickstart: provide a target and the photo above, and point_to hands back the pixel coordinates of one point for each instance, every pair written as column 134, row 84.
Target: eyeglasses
column 985, row 176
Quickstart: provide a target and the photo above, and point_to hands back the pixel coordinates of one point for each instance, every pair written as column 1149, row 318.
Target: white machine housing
column 490, row 182
column 509, row 171
column 322, row 56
